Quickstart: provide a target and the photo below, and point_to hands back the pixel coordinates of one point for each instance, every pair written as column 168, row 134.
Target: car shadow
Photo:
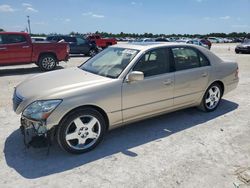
column 34, row 163
column 22, row 71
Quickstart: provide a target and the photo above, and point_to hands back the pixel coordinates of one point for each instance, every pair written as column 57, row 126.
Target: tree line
column 151, row 35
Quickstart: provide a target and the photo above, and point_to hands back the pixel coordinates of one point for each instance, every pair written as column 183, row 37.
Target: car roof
column 148, row 45
column 13, row 33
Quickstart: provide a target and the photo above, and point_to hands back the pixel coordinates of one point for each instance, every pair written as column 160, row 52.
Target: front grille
column 17, row 99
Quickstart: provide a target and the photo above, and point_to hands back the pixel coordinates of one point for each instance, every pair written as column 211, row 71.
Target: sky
column 129, row 16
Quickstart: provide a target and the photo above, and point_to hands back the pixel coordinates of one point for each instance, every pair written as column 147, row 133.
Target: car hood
column 244, row 45
column 52, row 84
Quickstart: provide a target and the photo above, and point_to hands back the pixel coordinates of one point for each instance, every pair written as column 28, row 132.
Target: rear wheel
column 47, row 62
column 211, row 98
column 81, row 131
column 92, row 52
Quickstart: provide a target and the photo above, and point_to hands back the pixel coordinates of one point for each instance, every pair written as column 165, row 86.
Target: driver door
column 154, row 94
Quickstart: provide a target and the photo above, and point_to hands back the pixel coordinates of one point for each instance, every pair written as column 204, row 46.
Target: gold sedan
column 122, row 84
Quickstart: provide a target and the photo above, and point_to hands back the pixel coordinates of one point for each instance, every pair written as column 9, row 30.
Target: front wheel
column 47, row 62
column 211, row 98
column 81, row 131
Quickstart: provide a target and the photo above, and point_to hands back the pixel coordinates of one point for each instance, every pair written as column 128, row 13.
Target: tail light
column 68, row 49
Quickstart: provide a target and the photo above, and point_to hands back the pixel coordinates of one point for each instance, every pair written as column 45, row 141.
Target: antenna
column 28, row 17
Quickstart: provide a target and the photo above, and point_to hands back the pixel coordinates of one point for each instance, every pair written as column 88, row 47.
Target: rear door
column 192, row 70
column 16, row 49
column 82, row 45
column 3, row 49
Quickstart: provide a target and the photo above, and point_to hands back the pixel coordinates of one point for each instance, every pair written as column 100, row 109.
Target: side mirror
column 135, row 76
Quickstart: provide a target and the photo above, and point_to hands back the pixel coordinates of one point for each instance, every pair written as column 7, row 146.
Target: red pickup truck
column 101, row 42
column 18, row 48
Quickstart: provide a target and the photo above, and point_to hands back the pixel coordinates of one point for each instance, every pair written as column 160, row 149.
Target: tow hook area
column 33, row 136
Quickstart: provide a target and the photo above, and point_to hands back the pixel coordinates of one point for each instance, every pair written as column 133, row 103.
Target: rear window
column 11, row 39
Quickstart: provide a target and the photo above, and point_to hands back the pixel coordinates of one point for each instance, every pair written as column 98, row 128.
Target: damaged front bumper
column 35, row 133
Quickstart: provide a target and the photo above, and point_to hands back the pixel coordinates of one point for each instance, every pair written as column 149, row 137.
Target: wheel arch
column 222, row 85
column 48, row 53
column 97, row 108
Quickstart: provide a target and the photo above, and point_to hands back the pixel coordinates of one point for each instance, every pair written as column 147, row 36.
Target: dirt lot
column 187, row 148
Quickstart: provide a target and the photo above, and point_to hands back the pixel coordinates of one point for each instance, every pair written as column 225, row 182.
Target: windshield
column 110, row 62
column 246, row 41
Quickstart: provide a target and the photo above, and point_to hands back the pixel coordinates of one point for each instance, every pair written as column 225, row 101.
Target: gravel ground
column 187, row 148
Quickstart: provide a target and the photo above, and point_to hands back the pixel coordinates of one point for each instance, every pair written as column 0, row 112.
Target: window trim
column 156, row 48
column 192, row 48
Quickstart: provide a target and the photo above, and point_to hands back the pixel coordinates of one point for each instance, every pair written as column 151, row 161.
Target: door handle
column 204, row 74
column 3, row 48
column 168, row 82
column 25, row 46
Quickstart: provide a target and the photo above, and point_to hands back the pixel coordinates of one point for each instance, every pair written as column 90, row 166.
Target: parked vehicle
column 17, row 48
column 101, row 42
column 206, row 42
column 161, row 39
column 213, row 40
column 122, row 84
column 197, row 42
column 77, row 44
column 38, row 39
column 243, row 47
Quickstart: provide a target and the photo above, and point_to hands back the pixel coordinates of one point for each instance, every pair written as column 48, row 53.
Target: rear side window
column 69, row 39
column 11, row 39
column 154, row 62
column 188, row 58
column 80, row 41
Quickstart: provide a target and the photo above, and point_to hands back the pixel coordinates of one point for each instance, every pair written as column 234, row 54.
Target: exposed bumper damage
column 35, row 133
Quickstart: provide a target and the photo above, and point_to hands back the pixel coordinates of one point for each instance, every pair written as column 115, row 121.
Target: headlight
column 40, row 110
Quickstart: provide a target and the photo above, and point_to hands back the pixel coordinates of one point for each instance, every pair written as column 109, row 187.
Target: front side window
column 110, row 62
column 154, row 62
column 11, row 39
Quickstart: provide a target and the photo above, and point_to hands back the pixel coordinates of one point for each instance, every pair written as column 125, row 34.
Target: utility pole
column 29, row 24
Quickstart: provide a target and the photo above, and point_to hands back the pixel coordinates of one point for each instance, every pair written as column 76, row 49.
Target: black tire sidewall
column 204, row 98
column 90, row 52
column 68, row 119
column 41, row 60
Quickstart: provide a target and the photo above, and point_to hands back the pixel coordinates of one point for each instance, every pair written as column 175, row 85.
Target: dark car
column 207, row 42
column 161, row 39
column 77, row 44
column 243, row 47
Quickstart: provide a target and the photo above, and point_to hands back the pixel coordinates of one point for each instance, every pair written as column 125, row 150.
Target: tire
column 81, row 131
column 47, row 62
column 92, row 52
column 211, row 98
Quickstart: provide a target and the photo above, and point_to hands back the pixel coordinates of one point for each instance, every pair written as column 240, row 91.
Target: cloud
column 225, row 17
column 67, row 20
column 6, row 8
column 31, row 9
column 97, row 16
column 199, row 1
column 93, row 15
column 26, row 5
column 133, row 3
